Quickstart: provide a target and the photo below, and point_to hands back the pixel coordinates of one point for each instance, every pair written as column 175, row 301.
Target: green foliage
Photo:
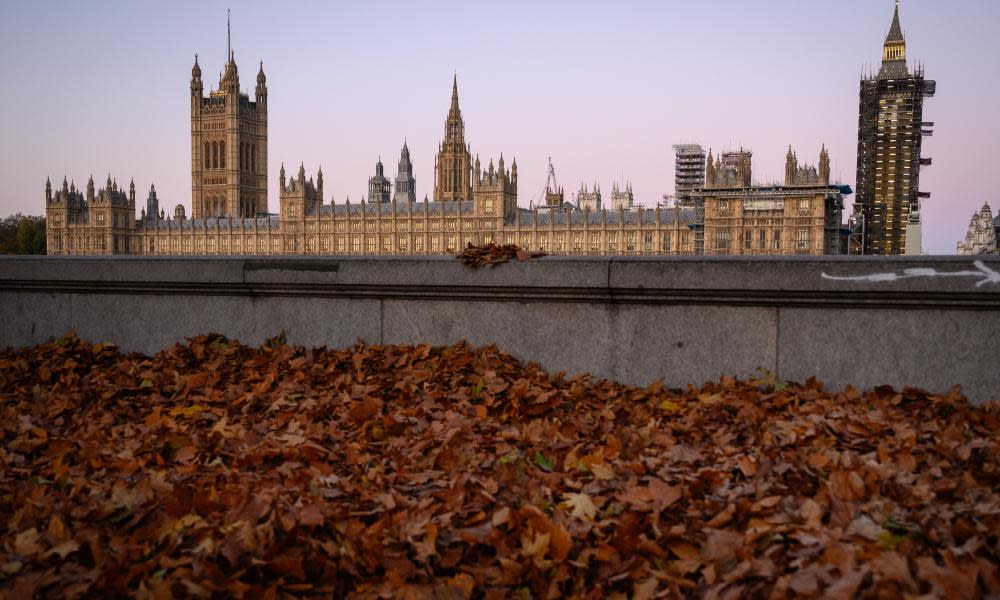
column 21, row 234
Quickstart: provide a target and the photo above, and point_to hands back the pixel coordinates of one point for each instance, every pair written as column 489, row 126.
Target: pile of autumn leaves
column 214, row 469
column 491, row 255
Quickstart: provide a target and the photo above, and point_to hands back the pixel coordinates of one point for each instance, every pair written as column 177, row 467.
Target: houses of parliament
column 474, row 202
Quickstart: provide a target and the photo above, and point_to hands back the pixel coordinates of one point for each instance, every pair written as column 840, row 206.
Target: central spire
column 454, row 93
column 229, row 39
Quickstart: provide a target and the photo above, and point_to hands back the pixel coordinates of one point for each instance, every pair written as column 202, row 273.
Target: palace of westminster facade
column 472, row 203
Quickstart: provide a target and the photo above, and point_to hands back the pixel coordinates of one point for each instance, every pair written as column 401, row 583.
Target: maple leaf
column 580, row 505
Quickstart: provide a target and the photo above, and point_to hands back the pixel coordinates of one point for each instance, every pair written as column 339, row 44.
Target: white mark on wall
column 985, row 275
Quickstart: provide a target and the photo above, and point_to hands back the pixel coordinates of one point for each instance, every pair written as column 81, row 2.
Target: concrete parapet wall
column 926, row 322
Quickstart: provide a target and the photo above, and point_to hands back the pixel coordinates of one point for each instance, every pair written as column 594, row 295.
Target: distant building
column 730, row 169
column 589, row 199
column 406, row 184
column 802, row 216
column 807, row 174
column 622, row 198
column 379, row 185
column 152, row 211
column 99, row 222
column 453, row 162
column 689, row 169
column 890, row 133
column 228, row 146
column 983, row 234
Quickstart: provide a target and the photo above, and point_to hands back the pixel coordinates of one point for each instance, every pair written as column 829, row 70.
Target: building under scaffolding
column 890, row 132
column 689, row 169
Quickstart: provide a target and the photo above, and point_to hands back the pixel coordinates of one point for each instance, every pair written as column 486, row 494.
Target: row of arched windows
column 215, row 156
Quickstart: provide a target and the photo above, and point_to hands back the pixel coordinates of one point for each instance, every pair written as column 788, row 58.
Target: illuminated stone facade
column 472, row 204
column 803, row 216
column 983, row 236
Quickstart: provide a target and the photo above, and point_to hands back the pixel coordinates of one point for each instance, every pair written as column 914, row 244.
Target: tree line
column 22, row 234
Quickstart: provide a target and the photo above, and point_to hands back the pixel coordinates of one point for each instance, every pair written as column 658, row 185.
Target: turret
column 90, row 189
column 791, row 167
column 197, row 87
column 281, row 177
column 261, row 84
column 319, row 184
column 48, row 190
column 302, row 175
column 131, row 192
column 231, row 76
column 152, row 203
column 513, row 176
column 709, row 170
column 824, row 166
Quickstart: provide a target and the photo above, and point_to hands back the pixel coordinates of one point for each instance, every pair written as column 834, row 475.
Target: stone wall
column 927, row 322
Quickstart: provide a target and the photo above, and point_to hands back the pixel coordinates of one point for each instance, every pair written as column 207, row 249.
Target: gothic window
column 804, row 205
column 253, row 158
column 722, row 239
column 543, row 240
column 215, row 155
column 648, row 242
column 222, row 155
column 418, row 243
column 777, row 239
column 242, row 150
column 763, row 240
column 802, row 238
column 666, row 241
column 748, row 239
column 595, row 244
column 208, row 155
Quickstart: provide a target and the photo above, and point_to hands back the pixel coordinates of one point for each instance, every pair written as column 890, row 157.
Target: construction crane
column 550, row 185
